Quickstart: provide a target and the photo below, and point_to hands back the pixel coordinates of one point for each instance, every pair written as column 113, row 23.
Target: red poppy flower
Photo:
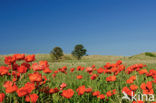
column 35, row 77
column 14, row 79
column 111, row 78
column 89, row 69
column 31, row 98
column 47, row 70
column 7, row 84
column 19, row 56
column 133, row 87
column 78, row 68
column 30, row 58
column 139, row 101
column 64, row 67
column 55, row 71
column 55, row 90
column 93, row 66
column 63, row 85
column 26, row 65
column 53, row 75
column 44, row 63
column 114, row 69
column 107, row 66
column 79, row 77
column 143, row 71
column 152, row 73
column 136, row 67
column 119, row 62
column 37, row 67
column 11, row 89
column 4, row 70
column 114, row 91
column 67, row 93
column 10, row 60
column 88, row 90
column 100, row 70
column 127, row 91
column 131, row 79
column 51, row 91
column 72, row 69
column 29, row 86
column 101, row 96
column 121, row 67
column 96, row 93
column 44, row 80
column 81, row 90
column 109, row 93
column 94, row 76
column 22, row 69
column 2, row 96
column 147, row 88
column 22, row 91
column 82, row 68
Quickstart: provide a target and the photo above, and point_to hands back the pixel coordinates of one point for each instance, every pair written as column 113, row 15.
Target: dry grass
column 98, row 60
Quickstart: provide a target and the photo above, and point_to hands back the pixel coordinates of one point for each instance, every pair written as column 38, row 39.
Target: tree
column 79, row 51
column 56, row 53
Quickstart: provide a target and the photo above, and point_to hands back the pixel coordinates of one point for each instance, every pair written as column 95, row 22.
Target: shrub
column 150, row 54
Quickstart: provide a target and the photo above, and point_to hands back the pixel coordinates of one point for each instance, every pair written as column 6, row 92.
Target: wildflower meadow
column 24, row 79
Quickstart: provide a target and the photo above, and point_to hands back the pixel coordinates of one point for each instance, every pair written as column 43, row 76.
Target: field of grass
column 98, row 60
column 99, row 84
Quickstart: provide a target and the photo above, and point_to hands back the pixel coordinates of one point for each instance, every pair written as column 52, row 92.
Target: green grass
column 98, row 84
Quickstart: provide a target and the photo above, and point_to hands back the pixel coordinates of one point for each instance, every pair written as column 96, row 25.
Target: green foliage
column 150, row 54
column 56, row 53
column 79, row 51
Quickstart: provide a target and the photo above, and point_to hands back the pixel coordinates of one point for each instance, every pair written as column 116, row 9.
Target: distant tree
column 79, row 51
column 56, row 53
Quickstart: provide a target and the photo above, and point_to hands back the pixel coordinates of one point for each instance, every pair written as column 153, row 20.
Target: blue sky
column 104, row 27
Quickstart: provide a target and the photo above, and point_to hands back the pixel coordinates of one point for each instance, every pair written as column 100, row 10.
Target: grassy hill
column 145, row 55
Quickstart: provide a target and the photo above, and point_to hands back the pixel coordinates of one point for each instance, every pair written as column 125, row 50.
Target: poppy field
column 24, row 79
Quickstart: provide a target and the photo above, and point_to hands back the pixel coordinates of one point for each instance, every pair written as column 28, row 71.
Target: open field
column 97, row 84
column 98, row 60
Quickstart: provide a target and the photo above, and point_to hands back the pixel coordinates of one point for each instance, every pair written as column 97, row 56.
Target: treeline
column 78, row 52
